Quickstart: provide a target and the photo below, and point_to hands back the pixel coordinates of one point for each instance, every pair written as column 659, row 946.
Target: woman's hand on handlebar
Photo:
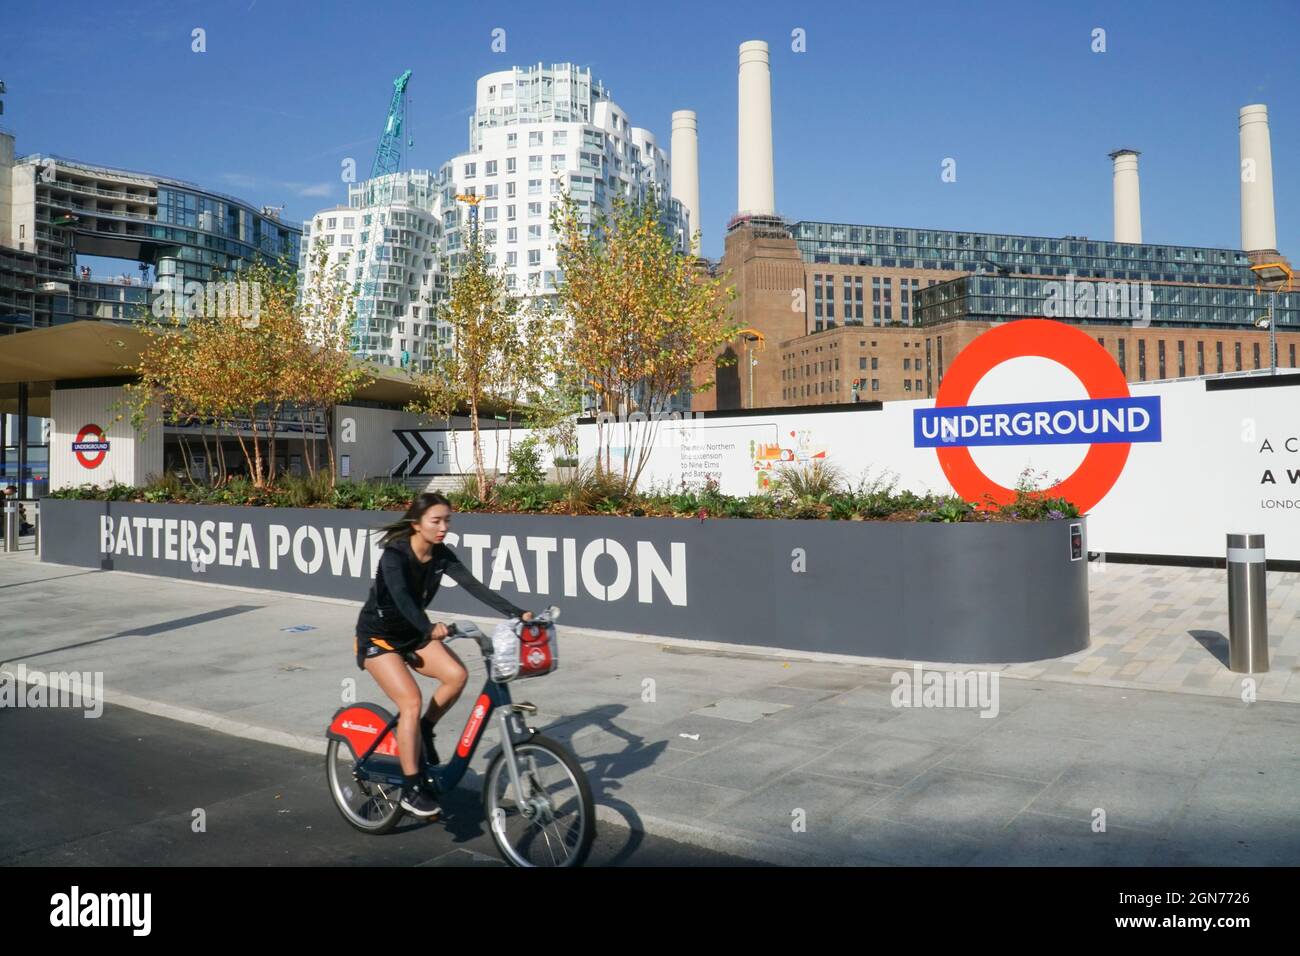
column 526, row 616
column 440, row 632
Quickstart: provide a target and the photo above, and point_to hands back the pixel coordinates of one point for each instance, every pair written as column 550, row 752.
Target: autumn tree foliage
column 498, row 353
column 642, row 315
column 243, row 375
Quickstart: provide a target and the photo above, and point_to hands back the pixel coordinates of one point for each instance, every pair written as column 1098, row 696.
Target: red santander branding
column 359, row 727
column 473, row 725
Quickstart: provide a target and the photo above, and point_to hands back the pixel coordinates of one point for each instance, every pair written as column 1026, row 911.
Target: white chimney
column 685, row 160
column 1128, row 202
column 756, row 192
column 1258, row 229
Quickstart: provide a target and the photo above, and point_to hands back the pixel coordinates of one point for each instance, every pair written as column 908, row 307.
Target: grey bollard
column 11, row 525
column 36, row 526
column 1247, row 605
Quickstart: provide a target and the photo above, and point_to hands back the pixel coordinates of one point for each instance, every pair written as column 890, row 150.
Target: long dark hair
column 419, row 505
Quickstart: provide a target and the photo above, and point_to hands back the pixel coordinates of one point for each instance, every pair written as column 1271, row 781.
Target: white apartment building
column 389, row 236
column 536, row 132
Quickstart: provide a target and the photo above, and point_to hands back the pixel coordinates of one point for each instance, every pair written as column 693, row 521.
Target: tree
column 242, row 372
column 325, row 372
column 643, row 316
column 482, row 364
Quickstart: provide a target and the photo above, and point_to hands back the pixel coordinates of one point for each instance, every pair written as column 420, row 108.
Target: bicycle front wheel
column 553, row 821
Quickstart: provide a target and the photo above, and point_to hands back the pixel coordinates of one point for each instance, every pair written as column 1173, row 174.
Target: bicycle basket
column 539, row 649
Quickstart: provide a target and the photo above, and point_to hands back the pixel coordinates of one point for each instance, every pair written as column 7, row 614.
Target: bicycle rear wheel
column 553, row 822
column 367, row 805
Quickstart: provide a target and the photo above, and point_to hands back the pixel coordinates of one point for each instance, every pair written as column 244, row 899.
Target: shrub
column 811, row 481
column 526, row 462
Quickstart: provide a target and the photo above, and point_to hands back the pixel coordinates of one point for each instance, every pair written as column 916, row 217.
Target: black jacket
column 403, row 588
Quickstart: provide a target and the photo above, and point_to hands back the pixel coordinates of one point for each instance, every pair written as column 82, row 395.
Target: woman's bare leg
column 394, row 679
column 441, row 663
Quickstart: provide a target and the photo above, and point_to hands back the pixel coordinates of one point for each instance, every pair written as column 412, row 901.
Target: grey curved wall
column 959, row 593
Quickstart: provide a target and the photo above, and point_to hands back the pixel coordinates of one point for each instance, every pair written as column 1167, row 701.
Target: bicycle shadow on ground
column 463, row 807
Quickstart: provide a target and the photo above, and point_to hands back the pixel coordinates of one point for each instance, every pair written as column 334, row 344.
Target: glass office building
column 994, row 276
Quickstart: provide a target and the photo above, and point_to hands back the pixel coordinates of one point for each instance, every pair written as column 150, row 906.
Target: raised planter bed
column 969, row 592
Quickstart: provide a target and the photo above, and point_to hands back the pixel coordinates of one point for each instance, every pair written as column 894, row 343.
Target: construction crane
column 388, row 155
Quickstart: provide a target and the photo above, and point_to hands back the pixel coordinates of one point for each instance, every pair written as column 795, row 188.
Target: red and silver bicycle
column 536, row 798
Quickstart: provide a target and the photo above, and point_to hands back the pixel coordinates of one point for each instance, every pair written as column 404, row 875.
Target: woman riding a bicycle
column 395, row 635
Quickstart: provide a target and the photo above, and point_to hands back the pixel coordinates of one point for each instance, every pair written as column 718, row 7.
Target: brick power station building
column 839, row 312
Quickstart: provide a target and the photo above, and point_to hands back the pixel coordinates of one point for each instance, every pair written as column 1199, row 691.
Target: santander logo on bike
column 364, row 728
column 471, row 728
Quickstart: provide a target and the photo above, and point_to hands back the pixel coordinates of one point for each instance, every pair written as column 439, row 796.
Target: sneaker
column 421, row 802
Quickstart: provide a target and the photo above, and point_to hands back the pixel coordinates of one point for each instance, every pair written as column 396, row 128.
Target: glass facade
column 945, row 250
column 993, row 298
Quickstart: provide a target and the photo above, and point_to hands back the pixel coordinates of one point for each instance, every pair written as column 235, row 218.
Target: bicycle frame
column 494, row 698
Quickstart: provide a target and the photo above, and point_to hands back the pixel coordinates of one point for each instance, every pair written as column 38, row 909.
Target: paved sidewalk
column 787, row 759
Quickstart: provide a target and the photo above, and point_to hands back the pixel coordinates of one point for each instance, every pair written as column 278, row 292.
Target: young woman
column 395, row 636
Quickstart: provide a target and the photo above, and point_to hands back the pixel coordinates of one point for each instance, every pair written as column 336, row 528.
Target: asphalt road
column 122, row 790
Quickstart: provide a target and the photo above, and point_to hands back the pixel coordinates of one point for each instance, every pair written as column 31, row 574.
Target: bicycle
column 365, row 775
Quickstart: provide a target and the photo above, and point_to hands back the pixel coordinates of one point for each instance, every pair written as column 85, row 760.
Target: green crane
column 388, row 156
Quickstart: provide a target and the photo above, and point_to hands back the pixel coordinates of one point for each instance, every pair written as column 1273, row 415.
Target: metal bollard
column 11, row 525
column 1247, row 605
column 36, row 526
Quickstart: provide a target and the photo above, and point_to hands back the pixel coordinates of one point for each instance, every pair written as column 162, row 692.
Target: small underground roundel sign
column 1109, row 420
column 90, row 446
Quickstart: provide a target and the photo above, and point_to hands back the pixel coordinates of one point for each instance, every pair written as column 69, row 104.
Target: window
column 349, row 222
column 490, row 191
column 557, row 162
column 907, row 363
column 510, row 189
column 534, row 209
column 330, row 223
column 534, row 187
column 510, row 212
column 862, row 363
column 535, row 232
column 535, row 138
column 1238, row 351
column 560, row 138
column 875, row 384
column 535, row 163
column 510, row 165
column 512, row 258
column 1142, row 359
column 490, row 168
column 1218, row 348
column 490, row 214
column 1200, row 358
column 469, row 170
column 534, row 257
column 512, row 139
column 489, row 236
column 907, row 384
column 1256, row 355
column 1123, row 366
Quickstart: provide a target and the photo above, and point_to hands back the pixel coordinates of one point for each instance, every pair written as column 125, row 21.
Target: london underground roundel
column 1109, row 420
column 90, row 446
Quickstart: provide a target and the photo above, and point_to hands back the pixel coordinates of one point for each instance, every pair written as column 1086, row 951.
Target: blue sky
column 862, row 120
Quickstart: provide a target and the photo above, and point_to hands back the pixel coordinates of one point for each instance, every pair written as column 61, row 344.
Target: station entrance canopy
column 89, row 351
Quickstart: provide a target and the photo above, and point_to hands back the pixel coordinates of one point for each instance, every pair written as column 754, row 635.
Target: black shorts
column 367, row 647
